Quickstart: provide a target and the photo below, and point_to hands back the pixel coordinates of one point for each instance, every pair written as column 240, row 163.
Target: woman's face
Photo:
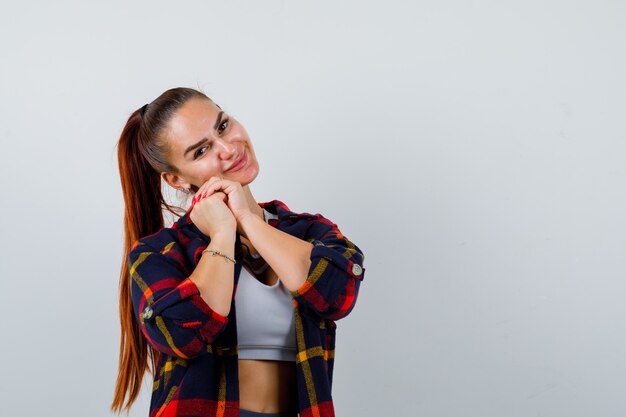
column 204, row 141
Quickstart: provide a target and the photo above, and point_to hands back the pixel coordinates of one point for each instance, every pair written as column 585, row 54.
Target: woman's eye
column 220, row 129
column 224, row 122
column 198, row 153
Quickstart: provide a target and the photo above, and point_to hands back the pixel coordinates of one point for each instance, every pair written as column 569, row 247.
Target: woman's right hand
column 211, row 214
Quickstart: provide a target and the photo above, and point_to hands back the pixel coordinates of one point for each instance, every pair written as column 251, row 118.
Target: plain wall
column 474, row 150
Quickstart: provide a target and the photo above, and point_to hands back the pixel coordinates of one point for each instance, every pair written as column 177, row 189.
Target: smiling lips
column 239, row 163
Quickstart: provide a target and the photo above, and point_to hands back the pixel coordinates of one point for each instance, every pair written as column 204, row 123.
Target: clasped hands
column 220, row 205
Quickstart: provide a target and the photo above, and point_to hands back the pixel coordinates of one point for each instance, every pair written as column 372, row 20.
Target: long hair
column 141, row 153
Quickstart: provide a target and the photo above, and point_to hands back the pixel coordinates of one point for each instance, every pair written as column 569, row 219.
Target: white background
column 474, row 150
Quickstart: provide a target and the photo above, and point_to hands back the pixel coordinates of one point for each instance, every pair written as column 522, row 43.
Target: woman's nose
column 225, row 148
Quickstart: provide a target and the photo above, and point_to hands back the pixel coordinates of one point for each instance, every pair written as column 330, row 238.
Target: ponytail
column 141, row 158
column 142, row 216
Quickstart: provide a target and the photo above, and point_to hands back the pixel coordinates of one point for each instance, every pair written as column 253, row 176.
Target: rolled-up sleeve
column 173, row 316
column 335, row 274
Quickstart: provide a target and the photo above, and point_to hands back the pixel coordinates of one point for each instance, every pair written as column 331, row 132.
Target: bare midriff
column 267, row 386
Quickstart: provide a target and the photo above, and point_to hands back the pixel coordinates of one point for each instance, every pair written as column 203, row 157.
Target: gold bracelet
column 216, row 252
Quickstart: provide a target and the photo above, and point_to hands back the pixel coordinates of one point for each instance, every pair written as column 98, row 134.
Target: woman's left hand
column 236, row 198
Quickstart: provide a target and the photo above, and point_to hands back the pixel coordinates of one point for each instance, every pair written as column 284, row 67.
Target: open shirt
column 197, row 368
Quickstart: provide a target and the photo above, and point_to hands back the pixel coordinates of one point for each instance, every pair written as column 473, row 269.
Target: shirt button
column 147, row 313
column 356, row 269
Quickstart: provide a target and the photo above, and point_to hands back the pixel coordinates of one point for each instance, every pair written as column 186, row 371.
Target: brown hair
column 141, row 153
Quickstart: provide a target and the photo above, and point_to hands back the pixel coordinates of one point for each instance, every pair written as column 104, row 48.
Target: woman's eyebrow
column 201, row 141
column 194, row 146
column 217, row 119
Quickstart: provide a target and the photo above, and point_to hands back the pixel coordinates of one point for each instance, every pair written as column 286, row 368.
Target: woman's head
column 187, row 138
column 204, row 141
column 183, row 139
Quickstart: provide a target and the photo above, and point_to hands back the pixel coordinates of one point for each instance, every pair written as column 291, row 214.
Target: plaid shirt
column 197, row 370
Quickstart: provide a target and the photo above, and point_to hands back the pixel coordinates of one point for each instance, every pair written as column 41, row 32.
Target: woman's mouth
column 240, row 163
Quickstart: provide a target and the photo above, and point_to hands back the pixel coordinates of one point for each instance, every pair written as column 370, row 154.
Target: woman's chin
column 246, row 176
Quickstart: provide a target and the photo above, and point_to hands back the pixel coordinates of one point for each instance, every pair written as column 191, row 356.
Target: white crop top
column 265, row 317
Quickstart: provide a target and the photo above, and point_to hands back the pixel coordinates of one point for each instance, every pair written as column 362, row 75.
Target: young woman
column 234, row 305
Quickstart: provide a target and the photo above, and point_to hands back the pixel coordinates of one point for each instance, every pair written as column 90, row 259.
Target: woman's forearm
column 287, row 255
column 214, row 274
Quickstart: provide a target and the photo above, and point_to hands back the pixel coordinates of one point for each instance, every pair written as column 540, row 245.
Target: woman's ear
column 175, row 181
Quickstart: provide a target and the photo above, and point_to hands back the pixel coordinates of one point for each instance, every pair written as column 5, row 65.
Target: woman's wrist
column 214, row 252
column 222, row 243
column 226, row 236
column 247, row 222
